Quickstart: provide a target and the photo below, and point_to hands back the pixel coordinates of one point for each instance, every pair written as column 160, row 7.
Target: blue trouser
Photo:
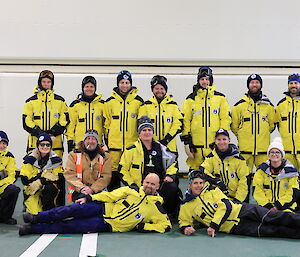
column 75, row 218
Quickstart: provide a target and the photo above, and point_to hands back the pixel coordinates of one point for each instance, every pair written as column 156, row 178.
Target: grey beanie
column 91, row 133
column 144, row 122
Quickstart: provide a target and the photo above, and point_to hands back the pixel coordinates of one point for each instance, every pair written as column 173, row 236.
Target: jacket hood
column 156, row 197
column 33, row 158
column 264, row 99
column 167, row 99
column 37, row 89
column 97, row 98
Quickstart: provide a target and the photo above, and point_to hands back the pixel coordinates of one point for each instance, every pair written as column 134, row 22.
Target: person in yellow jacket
column 88, row 168
column 204, row 112
column 86, row 112
column 40, row 173
column 45, row 112
column 149, row 156
column 122, row 210
column 121, row 113
column 275, row 183
column 207, row 204
column 228, row 167
column 253, row 122
column 287, row 112
column 9, row 192
column 164, row 113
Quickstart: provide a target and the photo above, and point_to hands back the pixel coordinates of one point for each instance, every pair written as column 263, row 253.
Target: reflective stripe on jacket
column 252, row 123
column 204, row 112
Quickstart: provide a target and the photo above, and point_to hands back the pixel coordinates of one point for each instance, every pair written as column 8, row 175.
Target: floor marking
column 39, row 245
column 88, row 245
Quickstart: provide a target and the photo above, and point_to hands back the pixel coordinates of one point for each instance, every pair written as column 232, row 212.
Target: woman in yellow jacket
column 121, row 114
column 85, row 113
column 8, row 191
column 204, row 112
column 275, row 183
column 45, row 112
column 226, row 164
column 40, row 173
column 164, row 113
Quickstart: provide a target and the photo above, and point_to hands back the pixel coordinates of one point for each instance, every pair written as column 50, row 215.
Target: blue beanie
column 43, row 137
column 3, row 137
column 124, row 74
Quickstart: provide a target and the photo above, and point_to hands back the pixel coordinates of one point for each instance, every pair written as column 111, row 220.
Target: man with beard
column 253, row 122
column 124, row 209
column 88, row 169
column 286, row 117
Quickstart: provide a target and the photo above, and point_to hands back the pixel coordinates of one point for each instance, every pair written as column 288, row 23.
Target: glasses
column 45, row 144
column 275, row 152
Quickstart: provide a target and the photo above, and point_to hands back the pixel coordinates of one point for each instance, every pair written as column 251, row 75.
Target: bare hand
column 189, row 230
column 168, row 179
column 274, row 209
column 81, row 200
column 211, row 232
column 86, row 190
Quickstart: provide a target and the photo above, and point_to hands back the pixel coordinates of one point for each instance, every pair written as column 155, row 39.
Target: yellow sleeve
column 289, row 193
column 185, row 218
column 142, row 111
column 187, row 117
column 64, row 115
column 258, row 193
column 125, row 164
column 177, row 122
column 11, row 172
column 271, row 118
column 110, row 197
column 208, row 166
column 225, row 116
column 73, row 115
column 172, row 170
column 236, row 119
column 28, row 115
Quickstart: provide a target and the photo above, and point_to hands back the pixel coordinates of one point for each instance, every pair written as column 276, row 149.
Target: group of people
column 129, row 141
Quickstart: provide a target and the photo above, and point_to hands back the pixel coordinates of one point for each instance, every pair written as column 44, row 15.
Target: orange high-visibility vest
column 78, row 161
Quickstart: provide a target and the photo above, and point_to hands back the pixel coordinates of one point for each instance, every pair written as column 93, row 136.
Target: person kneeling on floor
column 122, row 210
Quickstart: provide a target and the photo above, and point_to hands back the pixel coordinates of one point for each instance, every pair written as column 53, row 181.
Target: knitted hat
column 89, row 79
column 254, row 77
column 46, row 74
column 43, row 137
column 158, row 79
column 3, row 137
column 294, row 77
column 144, row 122
column 222, row 132
column 205, row 71
column 91, row 133
column 124, row 74
column 277, row 144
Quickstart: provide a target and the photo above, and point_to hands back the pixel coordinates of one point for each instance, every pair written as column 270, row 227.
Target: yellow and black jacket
column 7, row 165
column 276, row 190
column 232, row 171
column 211, row 208
column 287, row 112
column 121, row 119
column 132, row 163
column 252, row 123
column 167, row 119
column 45, row 112
column 32, row 171
column 85, row 116
column 204, row 112
column 127, row 208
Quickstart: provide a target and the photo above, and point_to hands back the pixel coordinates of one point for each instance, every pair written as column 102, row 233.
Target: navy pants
column 74, row 218
column 8, row 200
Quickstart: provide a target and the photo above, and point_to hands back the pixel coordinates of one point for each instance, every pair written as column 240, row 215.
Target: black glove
column 36, row 131
column 71, row 145
column 187, row 140
column 222, row 186
column 166, row 140
column 56, row 130
column 3, row 174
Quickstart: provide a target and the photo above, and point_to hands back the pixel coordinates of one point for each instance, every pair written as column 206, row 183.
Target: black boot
column 29, row 218
column 25, row 230
column 10, row 221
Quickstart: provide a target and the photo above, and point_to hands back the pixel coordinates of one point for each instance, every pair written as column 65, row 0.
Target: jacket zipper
column 255, row 129
column 206, row 143
column 293, row 139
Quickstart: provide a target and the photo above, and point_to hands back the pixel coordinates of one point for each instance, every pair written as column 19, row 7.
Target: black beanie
column 124, row 74
column 205, row 71
column 89, row 79
column 158, row 79
column 254, row 77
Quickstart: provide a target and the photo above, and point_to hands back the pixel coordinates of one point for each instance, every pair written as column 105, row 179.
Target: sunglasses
column 45, row 144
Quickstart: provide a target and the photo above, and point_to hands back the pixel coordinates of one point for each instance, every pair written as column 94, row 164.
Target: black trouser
column 61, row 198
column 115, row 181
column 171, row 193
column 49, row 196
column 8, row 200
column 258, row 221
